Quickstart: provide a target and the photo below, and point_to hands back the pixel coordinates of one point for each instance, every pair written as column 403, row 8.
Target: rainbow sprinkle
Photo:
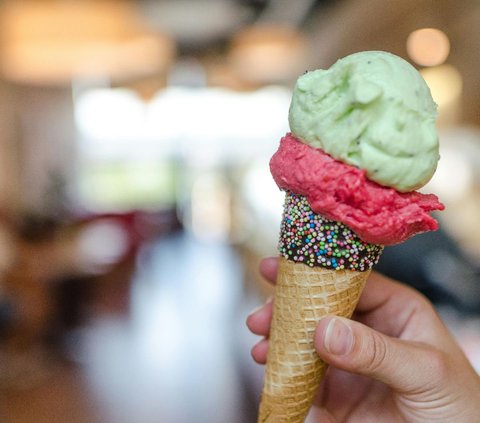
column 310, row 238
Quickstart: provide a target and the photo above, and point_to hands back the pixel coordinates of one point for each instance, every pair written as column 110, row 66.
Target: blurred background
column 136, row 200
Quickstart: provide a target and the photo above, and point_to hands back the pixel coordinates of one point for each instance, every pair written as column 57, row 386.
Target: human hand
column 394, row 362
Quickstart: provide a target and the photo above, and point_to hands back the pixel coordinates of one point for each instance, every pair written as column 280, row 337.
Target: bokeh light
column 428, row 46
column 445, row 83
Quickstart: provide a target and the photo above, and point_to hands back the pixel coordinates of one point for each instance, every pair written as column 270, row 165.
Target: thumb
column 348, row 345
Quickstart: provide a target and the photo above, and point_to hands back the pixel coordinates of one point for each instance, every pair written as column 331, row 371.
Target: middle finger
column 260, row 320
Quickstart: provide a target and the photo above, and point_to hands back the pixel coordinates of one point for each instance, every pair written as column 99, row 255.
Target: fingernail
column 338, row 337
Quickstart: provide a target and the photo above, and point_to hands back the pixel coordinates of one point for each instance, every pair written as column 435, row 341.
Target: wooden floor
column 179, row 353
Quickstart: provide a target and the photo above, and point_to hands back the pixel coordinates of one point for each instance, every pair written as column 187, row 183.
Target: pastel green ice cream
column 372, row 110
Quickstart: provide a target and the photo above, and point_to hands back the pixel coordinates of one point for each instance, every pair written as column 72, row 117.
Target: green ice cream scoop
column 372, row 110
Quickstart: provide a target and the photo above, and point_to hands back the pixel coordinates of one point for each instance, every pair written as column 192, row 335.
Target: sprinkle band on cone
column 309, row 238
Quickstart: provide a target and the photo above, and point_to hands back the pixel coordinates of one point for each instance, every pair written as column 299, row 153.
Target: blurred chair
column 434, row 264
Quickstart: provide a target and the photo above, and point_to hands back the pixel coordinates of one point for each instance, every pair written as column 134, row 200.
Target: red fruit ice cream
column 341, row 192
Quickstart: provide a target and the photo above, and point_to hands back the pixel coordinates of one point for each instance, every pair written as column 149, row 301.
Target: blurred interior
column 136, row 200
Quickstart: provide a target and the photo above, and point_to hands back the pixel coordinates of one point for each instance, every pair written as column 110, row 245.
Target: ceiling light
column 51, row 43
column 268, row 53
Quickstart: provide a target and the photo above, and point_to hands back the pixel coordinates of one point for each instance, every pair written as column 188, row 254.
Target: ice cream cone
column 294, row 371
column 325, row 277
column 362, row 140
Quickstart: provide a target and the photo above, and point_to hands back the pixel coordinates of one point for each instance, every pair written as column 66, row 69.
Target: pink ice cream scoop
column 341, row 192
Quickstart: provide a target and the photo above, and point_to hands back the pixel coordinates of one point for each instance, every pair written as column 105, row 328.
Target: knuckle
column 438, row 364
column 376, row 354
column 421, row 303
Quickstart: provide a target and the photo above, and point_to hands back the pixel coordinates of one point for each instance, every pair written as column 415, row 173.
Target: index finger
column 389, row 306
column 380, row 290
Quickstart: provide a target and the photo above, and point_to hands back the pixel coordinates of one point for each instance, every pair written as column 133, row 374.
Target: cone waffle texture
column 294, row 371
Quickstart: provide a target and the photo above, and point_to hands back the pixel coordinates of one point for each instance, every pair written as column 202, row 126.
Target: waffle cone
column 294, row 371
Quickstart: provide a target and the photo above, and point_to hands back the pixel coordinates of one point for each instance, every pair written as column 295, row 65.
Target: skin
column 394, row 361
